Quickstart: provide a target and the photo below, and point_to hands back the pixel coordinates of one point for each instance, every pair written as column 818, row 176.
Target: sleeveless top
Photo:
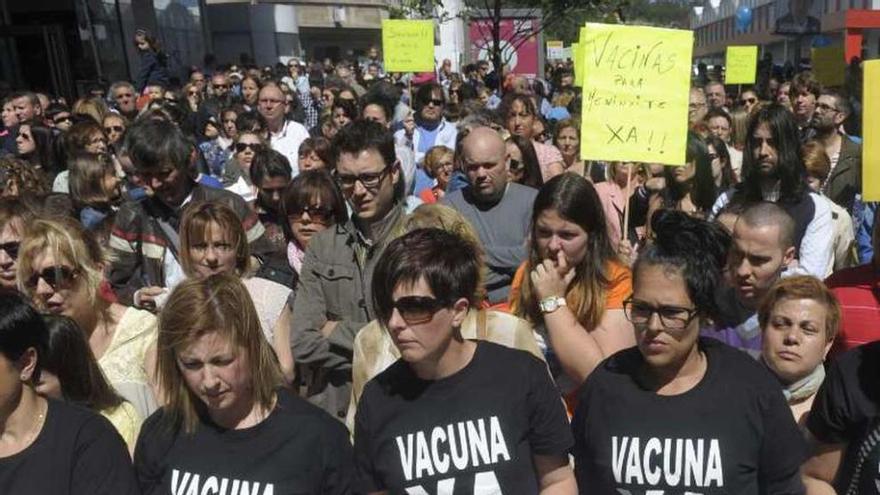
column 124, row 361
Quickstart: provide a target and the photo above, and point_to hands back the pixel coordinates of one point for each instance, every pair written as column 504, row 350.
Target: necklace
column 35, row 429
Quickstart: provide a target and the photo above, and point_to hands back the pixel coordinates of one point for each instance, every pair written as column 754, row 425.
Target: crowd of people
column 313, row 279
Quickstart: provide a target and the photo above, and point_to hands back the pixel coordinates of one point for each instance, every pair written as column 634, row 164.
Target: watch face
column 549, row 304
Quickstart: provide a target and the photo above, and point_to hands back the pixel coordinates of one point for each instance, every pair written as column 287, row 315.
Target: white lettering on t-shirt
column 685, row 461
column 471, row 443
column 186, row 483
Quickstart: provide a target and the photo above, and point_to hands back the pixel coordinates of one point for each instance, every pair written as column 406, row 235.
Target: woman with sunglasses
column 61, row 270
column 311, row 203
column 464, row 415
column 14, row 217
column 230, row 425
column 48, row 446
column 36, row 145
column 679, row 413
column 114, row 128
column 572, row 286
column 520, row 116
column 213, row 241
column 523, row 167
column 193, row 97
column 237, row 172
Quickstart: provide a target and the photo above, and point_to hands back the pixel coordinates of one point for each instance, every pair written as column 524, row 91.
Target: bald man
column 498, row 210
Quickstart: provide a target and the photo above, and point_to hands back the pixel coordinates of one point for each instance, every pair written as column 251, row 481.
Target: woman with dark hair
column 154, row 62
column 343, row 112
column 679, row 412
column 250, row 92
column 572, row 286
column 311, row 203
column 689, row 188
column 519, row 113
column 523, row 167
column 314, row 152
column 722, row 170
column 36, row 145
column 229, row 422
column 49, row 446
column 773, row 170
column 96, row 192
column 14, row 217
column 424, row 285
column 70, row 372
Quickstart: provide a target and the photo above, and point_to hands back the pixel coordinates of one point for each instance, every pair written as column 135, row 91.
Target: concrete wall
column 267, row 32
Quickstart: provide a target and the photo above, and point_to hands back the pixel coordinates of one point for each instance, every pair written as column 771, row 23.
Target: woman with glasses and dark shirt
column 48, row 446
column 453, row 414
column 679, row 413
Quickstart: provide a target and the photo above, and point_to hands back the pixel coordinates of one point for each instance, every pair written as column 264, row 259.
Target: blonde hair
column 433, row 157
column 68, row 242
column 197, row 307
column 195, row 227
column 93, row 107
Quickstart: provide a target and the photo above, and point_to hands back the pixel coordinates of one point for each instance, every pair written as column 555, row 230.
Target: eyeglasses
column 59, row 120
column 369, row 180
column 114, row 128
column 671, row 317
column 57, row 277
column 515, row 164
column 317, row 214
column 11, row 249
column 220, row 86
column 749, row 101
column 713, row 156
column 417, row 309
column 255, row 147
column 192, row 93
column 435, row 102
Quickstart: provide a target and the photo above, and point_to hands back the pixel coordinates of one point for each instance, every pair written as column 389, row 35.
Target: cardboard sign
column 829, row 65
column 871, row 131
column 742, row 64
column 635, row 93
column 555, row 50
column 408, row 45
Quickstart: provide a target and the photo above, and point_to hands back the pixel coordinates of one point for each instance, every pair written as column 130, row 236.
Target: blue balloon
column 743, row 18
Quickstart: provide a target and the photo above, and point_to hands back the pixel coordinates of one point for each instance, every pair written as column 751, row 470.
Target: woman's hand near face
column 552, row 277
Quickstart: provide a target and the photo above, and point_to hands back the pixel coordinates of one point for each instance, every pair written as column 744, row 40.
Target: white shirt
column 287, row 142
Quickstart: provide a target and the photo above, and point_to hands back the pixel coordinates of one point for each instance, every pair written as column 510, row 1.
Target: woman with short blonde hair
column 228, row 417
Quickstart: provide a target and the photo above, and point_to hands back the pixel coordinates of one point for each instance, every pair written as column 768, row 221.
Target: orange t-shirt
column 619, row 288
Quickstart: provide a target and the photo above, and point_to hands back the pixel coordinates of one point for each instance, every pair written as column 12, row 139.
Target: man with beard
column 773, row 171
column 333, row 300
column 844, row 180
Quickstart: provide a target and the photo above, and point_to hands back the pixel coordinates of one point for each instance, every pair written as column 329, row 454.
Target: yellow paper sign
column 635, row 96
column 742, row 64
column 408, row 45
column 871, row 131
column 829, row 65
column 576, row 62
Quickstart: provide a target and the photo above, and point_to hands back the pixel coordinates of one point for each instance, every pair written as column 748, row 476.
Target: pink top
column 613, row 203
column 547, row 154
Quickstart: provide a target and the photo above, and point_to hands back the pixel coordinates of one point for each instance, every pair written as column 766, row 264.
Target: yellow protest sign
column 635, row 96
column 408, row 45
column 871, row 131
column 742, row 64
column 829, row 65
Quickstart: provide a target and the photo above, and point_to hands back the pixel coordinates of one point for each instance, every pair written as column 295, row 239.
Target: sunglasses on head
column 11, row 249
column 255, row 147
column 417, row 309
column 57, row 277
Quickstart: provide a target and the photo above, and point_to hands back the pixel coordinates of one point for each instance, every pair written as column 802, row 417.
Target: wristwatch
column 551, row 304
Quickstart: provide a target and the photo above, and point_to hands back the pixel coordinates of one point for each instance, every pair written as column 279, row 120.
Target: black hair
column 248, row 121
column 727, row 176
column 47, row 149
column 305, row 188
column 362, row 135
column 531, row 167
column 69, row 357
column 349, row 108
column 695, row 248
column 269, row 163
column 152, row 144
column 717, row 112
column 703, row 191
column 449, row 265
column 789, row 168
column 21, row 328
column 424, row 94
column 384, row 94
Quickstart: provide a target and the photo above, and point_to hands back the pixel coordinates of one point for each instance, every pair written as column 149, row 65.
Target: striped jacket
column 138, row 243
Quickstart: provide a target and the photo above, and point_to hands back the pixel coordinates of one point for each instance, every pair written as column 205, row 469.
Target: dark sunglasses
column 748, row 100
column 193, row 93
column 59, row 120
column 515, row 165
column 417, row 309
column 114, row 128
column 220, row 86
column 58, row 277
column 317, row 214
column 435, row 102
column 11, row 249
column 255, row 147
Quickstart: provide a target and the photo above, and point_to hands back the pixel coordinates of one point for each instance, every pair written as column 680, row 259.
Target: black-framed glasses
column 11, row 249
column 316, row 214
column 255, row 147
column 671, row 317
column 516, row 165
column 368, row 180
column 63, row 118
column 418, row 309
column 58, row 277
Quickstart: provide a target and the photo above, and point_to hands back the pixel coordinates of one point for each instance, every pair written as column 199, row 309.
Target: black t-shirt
column 846, row 411
column 76, row 452
column 731, row 433
column 473, row 432
column 298, row 449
